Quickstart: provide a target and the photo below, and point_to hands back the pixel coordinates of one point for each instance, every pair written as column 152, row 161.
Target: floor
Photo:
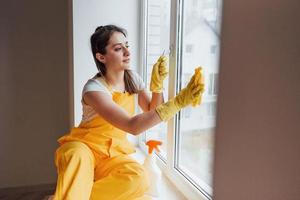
column 27, row 193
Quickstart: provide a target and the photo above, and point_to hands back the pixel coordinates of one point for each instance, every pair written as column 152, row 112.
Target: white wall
column 87, row 15
column 257, row 155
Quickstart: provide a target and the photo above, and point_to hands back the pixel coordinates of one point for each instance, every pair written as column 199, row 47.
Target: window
column 213, row 49
column 191, row 29
column 157, row 25
column 188, row 48
column 213, row 84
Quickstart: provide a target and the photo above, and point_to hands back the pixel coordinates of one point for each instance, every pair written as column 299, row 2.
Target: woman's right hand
column 159, row 73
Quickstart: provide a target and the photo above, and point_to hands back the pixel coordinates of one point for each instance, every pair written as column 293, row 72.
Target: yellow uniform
column 93, row 161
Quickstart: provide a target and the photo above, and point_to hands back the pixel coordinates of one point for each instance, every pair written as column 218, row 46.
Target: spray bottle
column 152, row 168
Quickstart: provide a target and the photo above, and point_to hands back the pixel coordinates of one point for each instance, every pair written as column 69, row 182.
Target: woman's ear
column 100, row 57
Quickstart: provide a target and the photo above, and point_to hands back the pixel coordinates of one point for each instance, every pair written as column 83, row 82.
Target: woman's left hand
column 159, row 73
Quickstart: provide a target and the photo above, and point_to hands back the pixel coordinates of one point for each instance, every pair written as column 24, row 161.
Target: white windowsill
column 168, row 189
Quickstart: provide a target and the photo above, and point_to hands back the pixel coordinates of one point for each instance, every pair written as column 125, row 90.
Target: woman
column 93, row 160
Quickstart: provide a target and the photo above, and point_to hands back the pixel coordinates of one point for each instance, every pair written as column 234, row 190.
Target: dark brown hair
column 99, row 41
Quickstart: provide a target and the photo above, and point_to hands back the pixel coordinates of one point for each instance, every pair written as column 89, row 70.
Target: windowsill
column 168, row 189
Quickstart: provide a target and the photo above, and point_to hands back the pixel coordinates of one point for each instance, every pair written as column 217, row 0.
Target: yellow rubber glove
column 191, row 94
column 159, row 73
column 199, row 78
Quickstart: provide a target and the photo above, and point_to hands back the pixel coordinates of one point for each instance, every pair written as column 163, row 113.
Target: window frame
column 182, row 182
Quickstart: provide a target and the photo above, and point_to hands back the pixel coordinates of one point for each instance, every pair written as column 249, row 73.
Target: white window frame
column 187, row 187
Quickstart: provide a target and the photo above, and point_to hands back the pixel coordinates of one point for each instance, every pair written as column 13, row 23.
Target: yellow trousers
column 82, row 175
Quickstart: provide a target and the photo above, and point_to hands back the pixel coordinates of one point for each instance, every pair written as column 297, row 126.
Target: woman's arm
column 118, row 117
column 157, row 99
column 146, row 104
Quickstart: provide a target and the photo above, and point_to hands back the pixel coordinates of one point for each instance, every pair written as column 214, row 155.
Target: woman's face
column 117, row 55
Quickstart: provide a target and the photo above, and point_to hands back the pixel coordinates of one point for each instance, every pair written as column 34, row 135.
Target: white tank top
column 99, row 84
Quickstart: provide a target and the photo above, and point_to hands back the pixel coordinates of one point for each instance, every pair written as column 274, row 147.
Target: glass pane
column 158, row 31
column 200, row 47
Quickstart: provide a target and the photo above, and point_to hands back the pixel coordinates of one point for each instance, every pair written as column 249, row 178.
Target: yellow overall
column 93, row 161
